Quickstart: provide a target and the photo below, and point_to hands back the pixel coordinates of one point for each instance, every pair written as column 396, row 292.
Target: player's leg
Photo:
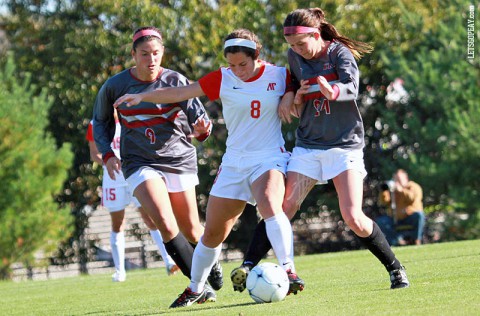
column 117, row 244
column 222, row 214
column 170, row 264
column 114, row 198
column 349, row 187
column 269, row 190
column 296, row 189
column 154, row 198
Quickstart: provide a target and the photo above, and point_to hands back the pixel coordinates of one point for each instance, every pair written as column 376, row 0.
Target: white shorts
column 237, row 173
column 117, row 198
column 175, row 182
column 324, row 165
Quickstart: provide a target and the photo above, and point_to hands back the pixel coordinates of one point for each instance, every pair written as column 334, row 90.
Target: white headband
column 240, row 42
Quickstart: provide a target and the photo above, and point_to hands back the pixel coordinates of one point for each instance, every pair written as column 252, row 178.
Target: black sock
column 259, row 245
column 181, row 252
column 378, row 245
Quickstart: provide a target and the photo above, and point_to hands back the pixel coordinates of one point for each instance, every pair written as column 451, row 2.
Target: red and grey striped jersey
column 326, row 124
column 152, row 135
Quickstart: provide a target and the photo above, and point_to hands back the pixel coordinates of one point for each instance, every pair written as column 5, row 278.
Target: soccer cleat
column 188, row 298
column 215, row 278
column 172, row 269
column 239, row 277
column 119, row 276
column 210, row 295
column 398, row 278
column 296, row 284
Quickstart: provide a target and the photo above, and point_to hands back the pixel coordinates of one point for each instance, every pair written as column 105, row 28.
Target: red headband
column 289, row 30
column 147, row 32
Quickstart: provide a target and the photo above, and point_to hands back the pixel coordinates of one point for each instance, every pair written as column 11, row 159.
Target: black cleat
column 210, row 295
column 296, row 284
column 188, row 298
column 215, row 278
column 239, row 277
column 399, row 279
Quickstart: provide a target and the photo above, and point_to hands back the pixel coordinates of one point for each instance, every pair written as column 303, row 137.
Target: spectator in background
column 404, row 216
column 116, row 195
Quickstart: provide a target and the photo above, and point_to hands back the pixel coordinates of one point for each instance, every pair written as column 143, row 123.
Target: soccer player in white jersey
column 116, row 195
column 330, row 135
column 254, row 164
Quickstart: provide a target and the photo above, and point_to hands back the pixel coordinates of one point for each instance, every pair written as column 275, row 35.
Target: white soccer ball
column 267, row 283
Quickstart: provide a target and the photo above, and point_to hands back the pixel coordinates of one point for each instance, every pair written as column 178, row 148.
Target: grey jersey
column 328, row 124
column 153, row 135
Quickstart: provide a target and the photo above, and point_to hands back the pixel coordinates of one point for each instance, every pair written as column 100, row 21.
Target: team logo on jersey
column 271, row 86
column 321, row 105
column 327, row 66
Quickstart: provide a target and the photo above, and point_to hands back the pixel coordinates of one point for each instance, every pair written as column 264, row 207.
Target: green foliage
column 32, row 172
column 436, row 131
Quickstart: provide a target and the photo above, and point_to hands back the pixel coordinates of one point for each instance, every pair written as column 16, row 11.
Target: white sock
column 280, row 235
column 203, row 260
column 117, row 243
column 157, row 237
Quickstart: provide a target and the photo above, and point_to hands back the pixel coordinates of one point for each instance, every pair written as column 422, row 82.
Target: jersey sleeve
column 289, row 84
column 89, row 135
column 211, row 83
column 104, row 122
column 348, row 75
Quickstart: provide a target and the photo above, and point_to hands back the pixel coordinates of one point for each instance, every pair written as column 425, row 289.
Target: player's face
column 148, row 59
column 242, row 66
column 306, row 45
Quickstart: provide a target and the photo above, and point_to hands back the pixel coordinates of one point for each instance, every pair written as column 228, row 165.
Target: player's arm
column 162, row 95
column 95, row 155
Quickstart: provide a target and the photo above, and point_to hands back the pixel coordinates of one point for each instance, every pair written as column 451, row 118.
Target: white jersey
column 249, row 107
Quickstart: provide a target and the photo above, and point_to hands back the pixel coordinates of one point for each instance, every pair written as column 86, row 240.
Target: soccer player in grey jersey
column 330, row 135
column 158, row 159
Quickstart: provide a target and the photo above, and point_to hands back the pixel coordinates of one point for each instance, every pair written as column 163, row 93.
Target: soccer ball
column 267, row 283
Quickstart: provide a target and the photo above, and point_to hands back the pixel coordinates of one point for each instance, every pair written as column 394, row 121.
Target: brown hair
column 314, row 17
column 245, row 34
column 147, row 37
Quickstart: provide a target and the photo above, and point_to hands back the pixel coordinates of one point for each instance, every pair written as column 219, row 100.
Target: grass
column 445, row 280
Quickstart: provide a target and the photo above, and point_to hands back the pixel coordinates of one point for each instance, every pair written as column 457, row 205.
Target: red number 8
column 255, row 109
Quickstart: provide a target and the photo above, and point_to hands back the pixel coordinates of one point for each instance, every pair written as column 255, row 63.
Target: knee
column 192, row 235
column 290, row 208
column 355, row 223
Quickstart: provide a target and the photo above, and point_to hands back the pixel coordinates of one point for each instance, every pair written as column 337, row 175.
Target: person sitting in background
column 404, row 210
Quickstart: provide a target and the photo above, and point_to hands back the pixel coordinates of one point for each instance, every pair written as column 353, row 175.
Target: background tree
column 32, row 173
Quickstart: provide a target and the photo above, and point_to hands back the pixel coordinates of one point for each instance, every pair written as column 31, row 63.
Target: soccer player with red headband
column 254, row 164
column 158, row 159
column 330, row 136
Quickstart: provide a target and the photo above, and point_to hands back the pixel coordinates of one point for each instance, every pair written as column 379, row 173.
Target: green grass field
column 445, row 280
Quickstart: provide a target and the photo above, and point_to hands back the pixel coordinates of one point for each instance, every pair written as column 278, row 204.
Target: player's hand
column 304, row 87
column 114, row 166
column 129, row 100
column 325, row 87
column 201, row 126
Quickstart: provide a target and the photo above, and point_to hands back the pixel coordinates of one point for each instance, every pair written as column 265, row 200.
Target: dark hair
column 146, row 38
column 314, row 17
column 245, row 34
column 384, row 187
